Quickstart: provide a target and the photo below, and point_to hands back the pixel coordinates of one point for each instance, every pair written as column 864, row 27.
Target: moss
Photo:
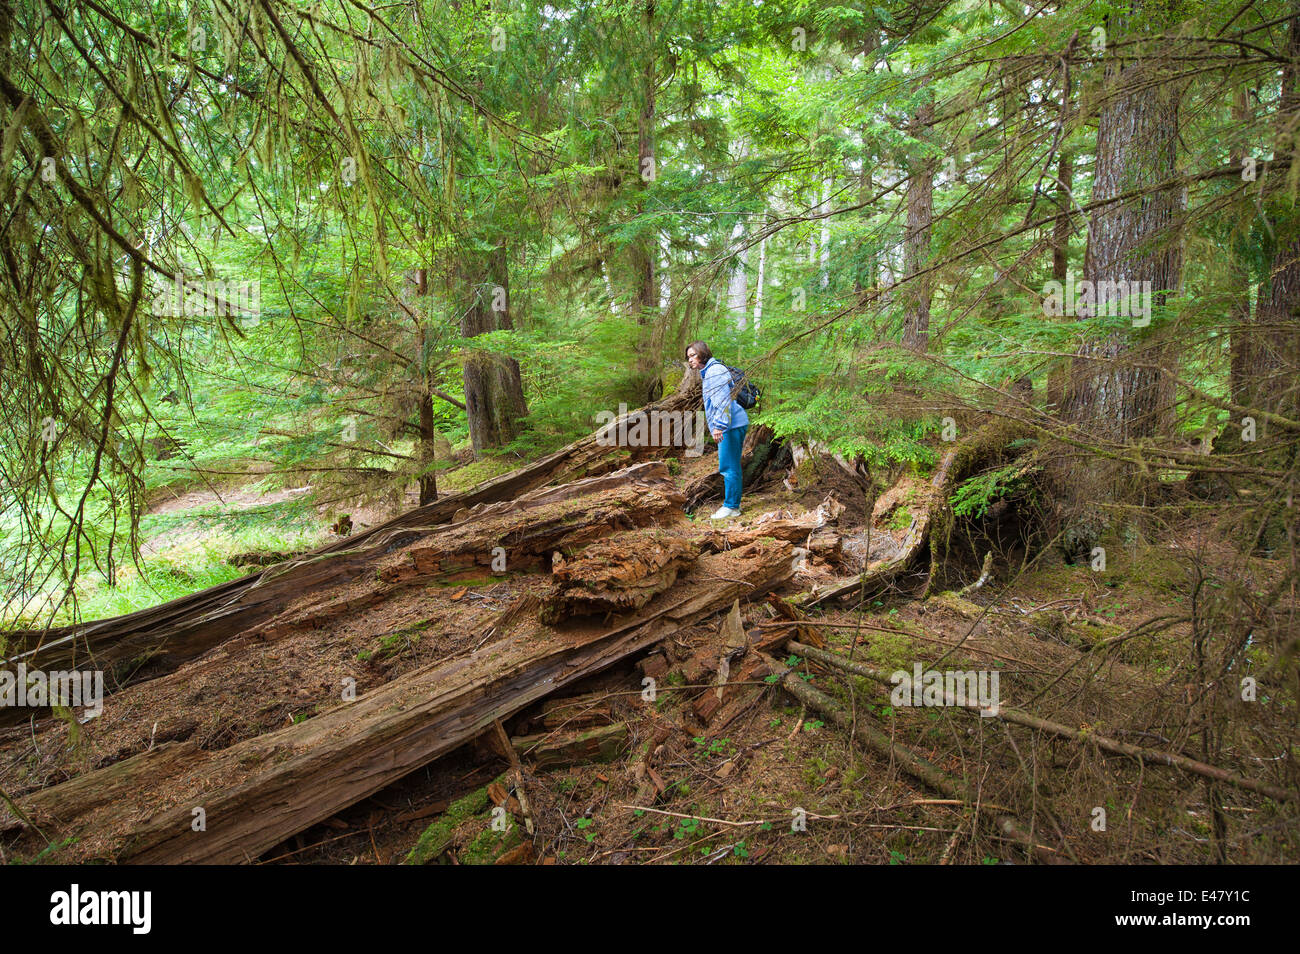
column 490, row 844
column 958, row 604
column 889, row 652
column 438, row 837
column 901, row 519
column 474, row 473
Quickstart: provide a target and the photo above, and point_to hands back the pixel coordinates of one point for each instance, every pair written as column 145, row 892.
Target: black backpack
column 749, row 393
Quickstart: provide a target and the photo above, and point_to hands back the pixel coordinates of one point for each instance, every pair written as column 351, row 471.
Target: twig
column 513, row 756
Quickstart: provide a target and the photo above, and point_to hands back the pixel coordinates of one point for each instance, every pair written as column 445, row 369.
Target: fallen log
column 615, row 576
column 1079, row 736
column 258, row 792
column 549, row 750
column 526, row 529
column 576, row 712
column 188, row 626
column 380, row 597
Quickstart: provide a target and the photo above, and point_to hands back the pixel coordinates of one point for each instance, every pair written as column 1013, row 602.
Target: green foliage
column 379, row 213
column 973, row 496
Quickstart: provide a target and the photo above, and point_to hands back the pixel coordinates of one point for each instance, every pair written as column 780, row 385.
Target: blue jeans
column 729, row 465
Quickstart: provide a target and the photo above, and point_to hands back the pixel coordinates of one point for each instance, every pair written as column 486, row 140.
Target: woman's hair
column 700, row 349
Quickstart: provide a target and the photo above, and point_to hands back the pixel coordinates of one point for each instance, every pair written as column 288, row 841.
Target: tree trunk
column 738, row 283
column 1272, row 363
column 428, row 434
column 1058, row 374
column 645, row 298
column 916, row 240
column 825, row 263
column 868, row 273
column 1241, row 337
column 1131, row 241
column 494, row 392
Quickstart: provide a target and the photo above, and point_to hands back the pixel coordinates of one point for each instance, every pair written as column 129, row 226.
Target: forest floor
column 756, row 777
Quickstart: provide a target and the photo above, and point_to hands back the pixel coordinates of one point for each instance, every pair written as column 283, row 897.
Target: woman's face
column 693, row 359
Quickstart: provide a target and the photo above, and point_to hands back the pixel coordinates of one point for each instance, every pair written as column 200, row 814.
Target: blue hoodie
column 721, row 412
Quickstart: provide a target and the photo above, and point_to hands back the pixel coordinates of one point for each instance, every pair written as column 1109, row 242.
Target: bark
column 494, row 392
column 1272, row 361
column 1134, row 240
column 916, row 240
column 1058, row 375
column 266, row 789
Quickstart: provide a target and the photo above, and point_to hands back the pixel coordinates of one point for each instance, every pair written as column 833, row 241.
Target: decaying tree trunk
column 186, row 627
column 260, row 791
column 615, row 576
column 986, row 444
column 504, row 538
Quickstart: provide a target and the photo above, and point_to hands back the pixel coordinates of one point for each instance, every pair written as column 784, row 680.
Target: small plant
column 687, row 826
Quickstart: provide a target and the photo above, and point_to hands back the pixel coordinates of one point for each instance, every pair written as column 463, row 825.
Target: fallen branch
column 1081, row 736
column 913, row 764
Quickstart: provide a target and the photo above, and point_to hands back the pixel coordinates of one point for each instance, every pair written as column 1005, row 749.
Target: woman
column 727, row 423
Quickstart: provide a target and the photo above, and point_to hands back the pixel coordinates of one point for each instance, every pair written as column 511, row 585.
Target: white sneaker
column 724, row 513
